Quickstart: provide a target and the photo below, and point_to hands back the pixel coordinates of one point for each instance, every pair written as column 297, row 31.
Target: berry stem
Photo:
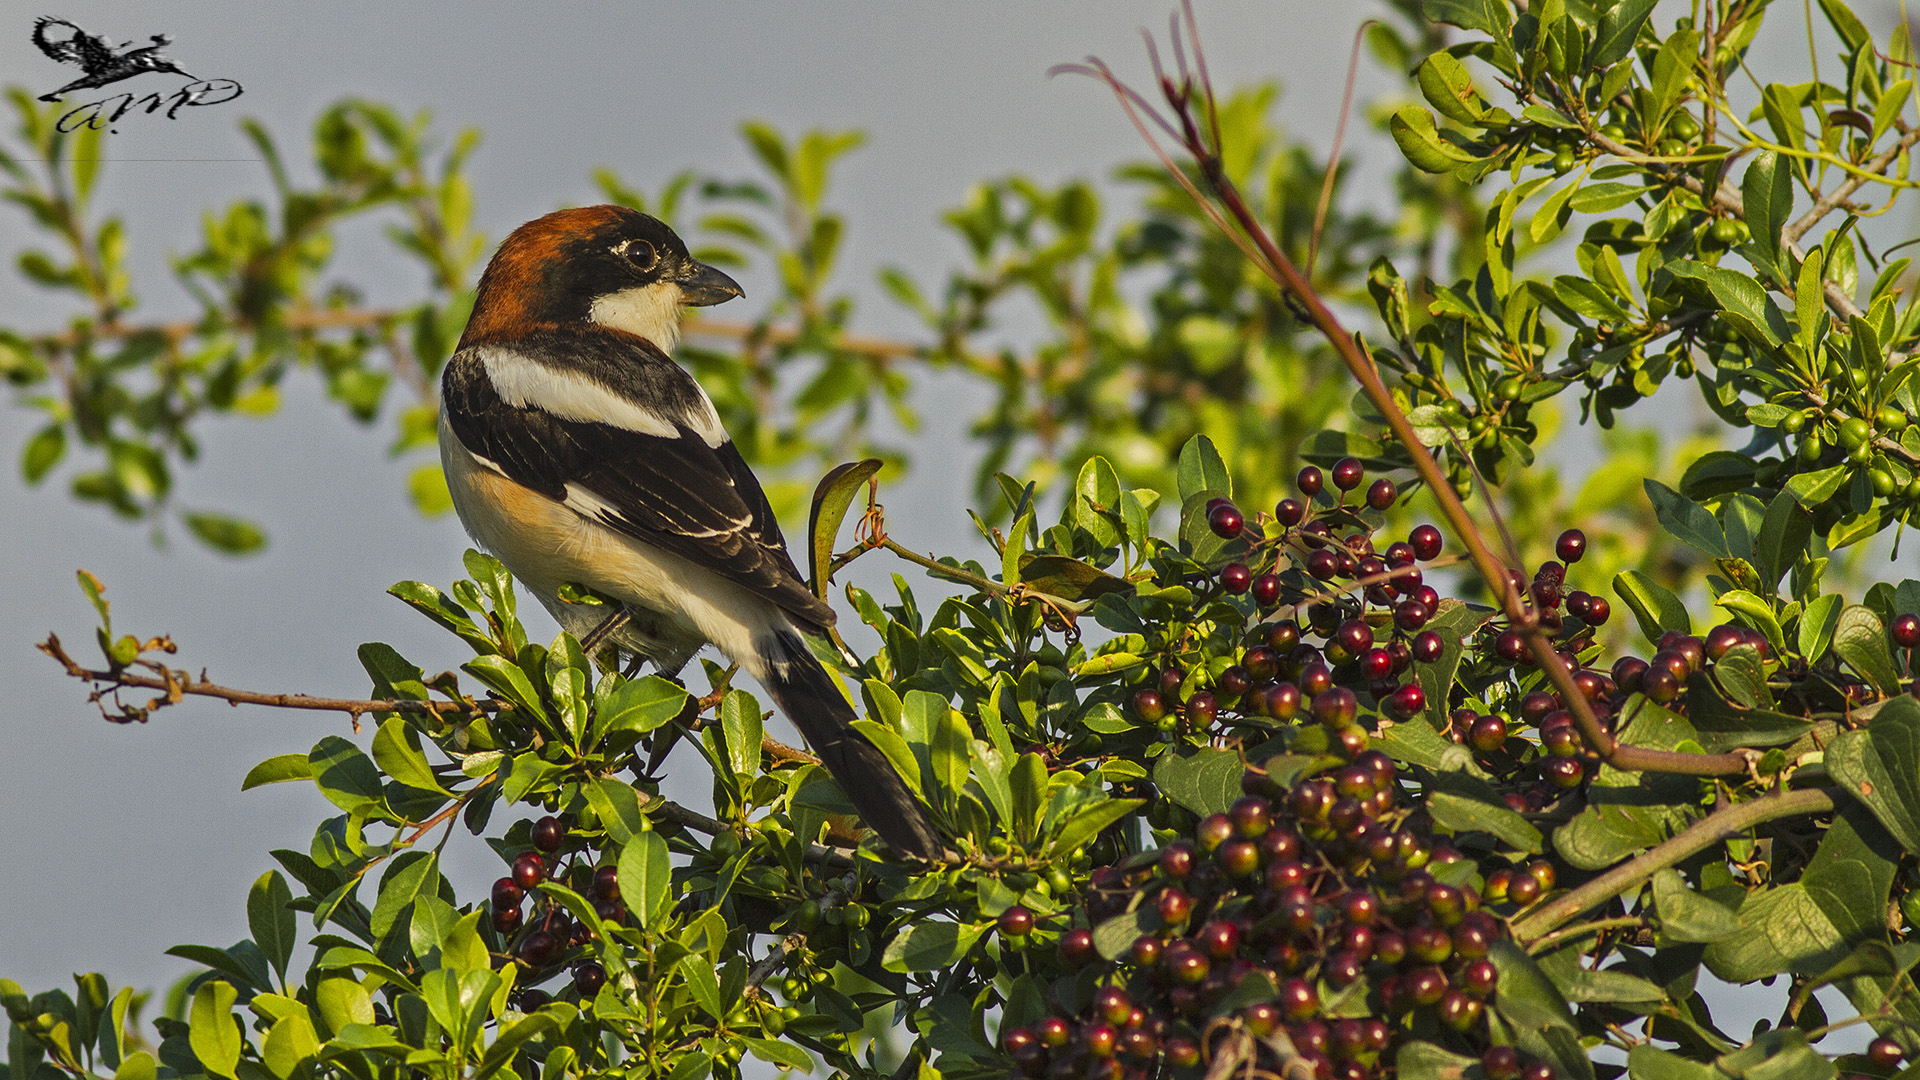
column 1719, row 826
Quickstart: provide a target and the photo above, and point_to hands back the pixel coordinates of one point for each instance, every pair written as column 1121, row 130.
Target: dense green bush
column 1309, row 746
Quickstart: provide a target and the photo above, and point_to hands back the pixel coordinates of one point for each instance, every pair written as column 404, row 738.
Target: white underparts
column 648, row 311
column 678, row 606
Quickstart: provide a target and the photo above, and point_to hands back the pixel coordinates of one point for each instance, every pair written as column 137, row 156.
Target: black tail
column 807, row 694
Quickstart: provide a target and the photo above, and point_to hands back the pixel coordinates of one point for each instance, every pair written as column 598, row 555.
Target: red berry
column 1225, row 520
column 548, row 833
column 1489, row 733
column 1016, row 922
column 1347, row 473
column 1236, row 578
column 606, row 883
column 1174, row 906
column 1382, row 493
column 1426, row 542
column 1354, row 635
column 507, row 893
column 1148, row 705
column 1884, row 1052
column 1501, row 1063
column 1407, row 701
column 529, row 869
column 1428, row 646
column 507, row 919
column 1336, row 708
column 1571, row 545
column 538, row 948
column 1597, row 611
column 1266, row 590
column 1510, row 646
column 1906, row 631
column 1289, row 512
column 1298, row 1000
column 1411, row 615
column 1323, row 564
column 588, row 978
column 1202, row 709
column 1310, row 482
column 1077, row 948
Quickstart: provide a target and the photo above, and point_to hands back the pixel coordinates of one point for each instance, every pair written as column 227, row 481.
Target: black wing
column 677, row 492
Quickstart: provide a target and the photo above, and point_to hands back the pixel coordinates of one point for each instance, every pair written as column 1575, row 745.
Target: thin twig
column 1333, row 155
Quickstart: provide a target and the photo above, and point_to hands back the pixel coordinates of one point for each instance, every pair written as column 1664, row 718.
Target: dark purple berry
column 1382, row 493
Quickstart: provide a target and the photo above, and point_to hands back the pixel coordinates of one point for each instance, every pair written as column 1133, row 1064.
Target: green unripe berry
column 1889, row 418
column 1855, row 432
column 1564, row 161
column 1794, row 424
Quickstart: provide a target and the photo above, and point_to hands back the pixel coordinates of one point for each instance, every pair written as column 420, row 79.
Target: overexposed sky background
column 121, row 842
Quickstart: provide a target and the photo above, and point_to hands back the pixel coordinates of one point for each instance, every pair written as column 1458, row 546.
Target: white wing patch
column 569, row 395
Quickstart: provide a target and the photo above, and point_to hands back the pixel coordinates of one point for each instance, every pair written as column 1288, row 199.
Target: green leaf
column 1425, row 1061
column 740, row 722
column 1860, row 640
column 396, row 749
column 1767, row 197
column 1096, row 491
column 1783, row 537
column 645, row 873
column 1657, row 609
column 1448, row 87
column 1205, row 781
column 1645, row 1062
column 1464, row 804
column 344, row 775
column 1456, row 623
column 1687, row 520
column 231, row 535
column 831, row 498
column 212, row 1033
column 1746, row 304
column 1421, row 143
column 784, row 1054
column 1113, row 937
column 1811, row 489
column 1817, row 624
column 43, row 452
column 617, row 804
column 1534, row 1008
column 1200, row 469
column 926, row 946
column 278, row 769
column 1086, row 824
column 508, row 680
column 1618, row 29
column 1029, row 787
column 638, row 706
column 1686, row 915
column 407, row 879
column 1756, row 612
column 271, row 920
column 1880, row 766
column 1602, row 197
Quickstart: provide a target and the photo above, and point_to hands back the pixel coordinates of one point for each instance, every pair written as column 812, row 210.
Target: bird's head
column 604, row 264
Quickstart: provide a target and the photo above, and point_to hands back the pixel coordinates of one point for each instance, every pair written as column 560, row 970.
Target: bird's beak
column 701, row 285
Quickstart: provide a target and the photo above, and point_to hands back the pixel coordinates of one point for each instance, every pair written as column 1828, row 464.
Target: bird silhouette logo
column 103, row 63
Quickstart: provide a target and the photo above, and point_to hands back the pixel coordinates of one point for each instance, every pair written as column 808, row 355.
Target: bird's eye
column 638, row 252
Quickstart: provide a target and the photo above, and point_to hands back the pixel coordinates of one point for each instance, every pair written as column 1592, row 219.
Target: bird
column 577, row 451
column 98, row 59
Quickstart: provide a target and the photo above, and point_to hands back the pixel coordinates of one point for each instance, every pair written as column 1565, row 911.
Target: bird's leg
column 599, row 634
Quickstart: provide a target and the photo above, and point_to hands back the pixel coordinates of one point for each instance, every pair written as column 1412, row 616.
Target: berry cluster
column 1368, row 608
column 1365, row 932
column 547, row 939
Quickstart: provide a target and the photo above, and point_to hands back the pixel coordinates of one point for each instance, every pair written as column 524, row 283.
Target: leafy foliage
column 1153, row 698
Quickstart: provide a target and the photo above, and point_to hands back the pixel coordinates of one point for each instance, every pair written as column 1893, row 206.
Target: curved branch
column 1715, row 828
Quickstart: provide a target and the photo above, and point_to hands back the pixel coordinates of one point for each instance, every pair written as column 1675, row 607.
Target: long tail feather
column 807, row 694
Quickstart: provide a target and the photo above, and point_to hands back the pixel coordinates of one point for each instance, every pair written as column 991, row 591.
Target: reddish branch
column 1201, row 140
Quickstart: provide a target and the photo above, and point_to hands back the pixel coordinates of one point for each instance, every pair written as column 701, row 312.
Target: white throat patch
column 648, row 311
